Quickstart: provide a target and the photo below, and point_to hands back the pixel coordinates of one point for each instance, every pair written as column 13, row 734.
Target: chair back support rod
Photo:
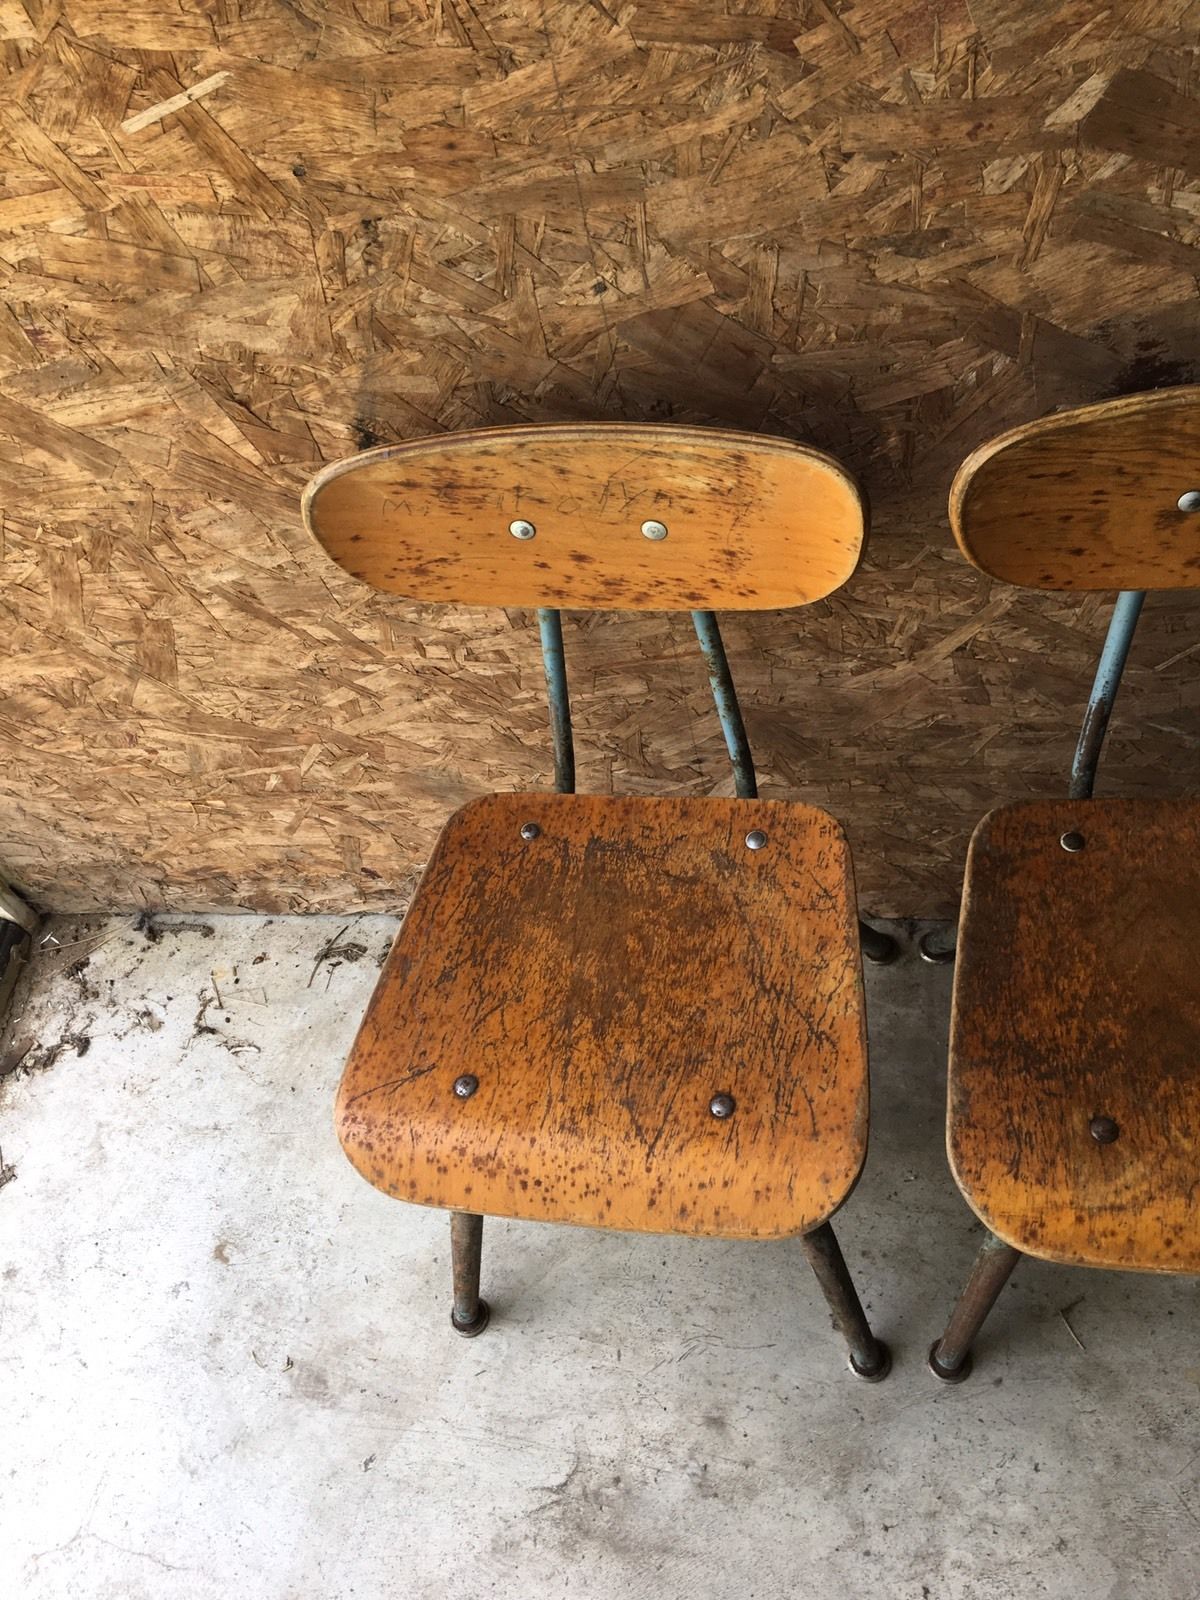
column 728, row 709
column 1121, row 627
column 719, row 676
column 554, row 661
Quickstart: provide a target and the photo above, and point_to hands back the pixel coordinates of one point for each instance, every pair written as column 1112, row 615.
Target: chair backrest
column 1103, row 497
column 599, row 516
column 594, row 516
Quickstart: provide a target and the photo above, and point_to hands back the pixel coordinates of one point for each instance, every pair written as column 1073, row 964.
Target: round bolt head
column 755, row 839
column 466, row 1086
column 1103, row 1129
column 530, row 830
column 722, row 1106
column 1072, row 842
column 654, row 530
column 520, row 529
column 1189, row 500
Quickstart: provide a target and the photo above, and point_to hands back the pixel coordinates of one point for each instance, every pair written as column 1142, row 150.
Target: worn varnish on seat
column 1076, row 998
column 603, row 981
column 1087, row 499
column 752, row 522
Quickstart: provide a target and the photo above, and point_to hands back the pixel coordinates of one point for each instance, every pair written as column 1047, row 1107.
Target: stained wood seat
column 1073, row 1114
column 1074, row 1110
column 602, row 983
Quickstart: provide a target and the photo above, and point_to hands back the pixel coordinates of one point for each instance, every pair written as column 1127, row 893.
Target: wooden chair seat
column 1076, row 1000
column 597, row 983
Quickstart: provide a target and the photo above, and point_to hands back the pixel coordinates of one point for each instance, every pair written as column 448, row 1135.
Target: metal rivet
column 1072, row 841
column 520, row 529
column 466, row 1086
column 1189, row 500
column 654, row 530
column 530, row 830
column 722, row 1106
column 755, row 839
column 1103, row 1129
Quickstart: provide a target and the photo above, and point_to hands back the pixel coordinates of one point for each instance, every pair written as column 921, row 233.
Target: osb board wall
column 240, row 239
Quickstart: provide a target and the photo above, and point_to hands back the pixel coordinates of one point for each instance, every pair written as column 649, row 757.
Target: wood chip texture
column 239, row 240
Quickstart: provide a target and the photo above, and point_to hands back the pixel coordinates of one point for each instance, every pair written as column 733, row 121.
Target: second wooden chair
column 1073, row 1122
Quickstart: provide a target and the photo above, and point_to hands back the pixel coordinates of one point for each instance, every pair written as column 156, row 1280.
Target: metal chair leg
column 870, row 1358
column 470, row 1315
column 950, row 1356
column 877, row 946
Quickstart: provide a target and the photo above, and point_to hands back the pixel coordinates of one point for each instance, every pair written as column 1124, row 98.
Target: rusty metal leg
column 470, row 1315
column 950, row 1357
column 870, row 1358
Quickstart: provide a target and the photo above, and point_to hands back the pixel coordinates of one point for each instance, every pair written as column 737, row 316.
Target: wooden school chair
column 624, row 1013
column 1073, row 1121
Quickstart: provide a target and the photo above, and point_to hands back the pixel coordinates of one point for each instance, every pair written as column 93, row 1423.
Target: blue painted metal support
column 725, row 695
column 555, row 663
column 876, row 946
column 1104, row 691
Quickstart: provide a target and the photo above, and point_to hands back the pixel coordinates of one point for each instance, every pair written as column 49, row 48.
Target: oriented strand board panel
column 240, row 239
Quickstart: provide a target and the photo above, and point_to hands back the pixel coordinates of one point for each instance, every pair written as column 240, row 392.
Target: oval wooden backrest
column 1087, row 499
column 751, row 522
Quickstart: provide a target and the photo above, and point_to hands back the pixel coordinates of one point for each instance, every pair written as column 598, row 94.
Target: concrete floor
column 227, row 1368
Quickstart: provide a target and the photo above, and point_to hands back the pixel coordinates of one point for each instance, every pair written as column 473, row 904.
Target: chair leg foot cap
column 882, row 950
column 472, row 1329
column 936, row 955
column 877, row 1373
column 958, row 1374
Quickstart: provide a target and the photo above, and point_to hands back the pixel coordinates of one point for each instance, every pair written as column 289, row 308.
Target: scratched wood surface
column 239, row 240
column 1089, row 498
column 743, row 522
column 1075, row 997
column 603, row 981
